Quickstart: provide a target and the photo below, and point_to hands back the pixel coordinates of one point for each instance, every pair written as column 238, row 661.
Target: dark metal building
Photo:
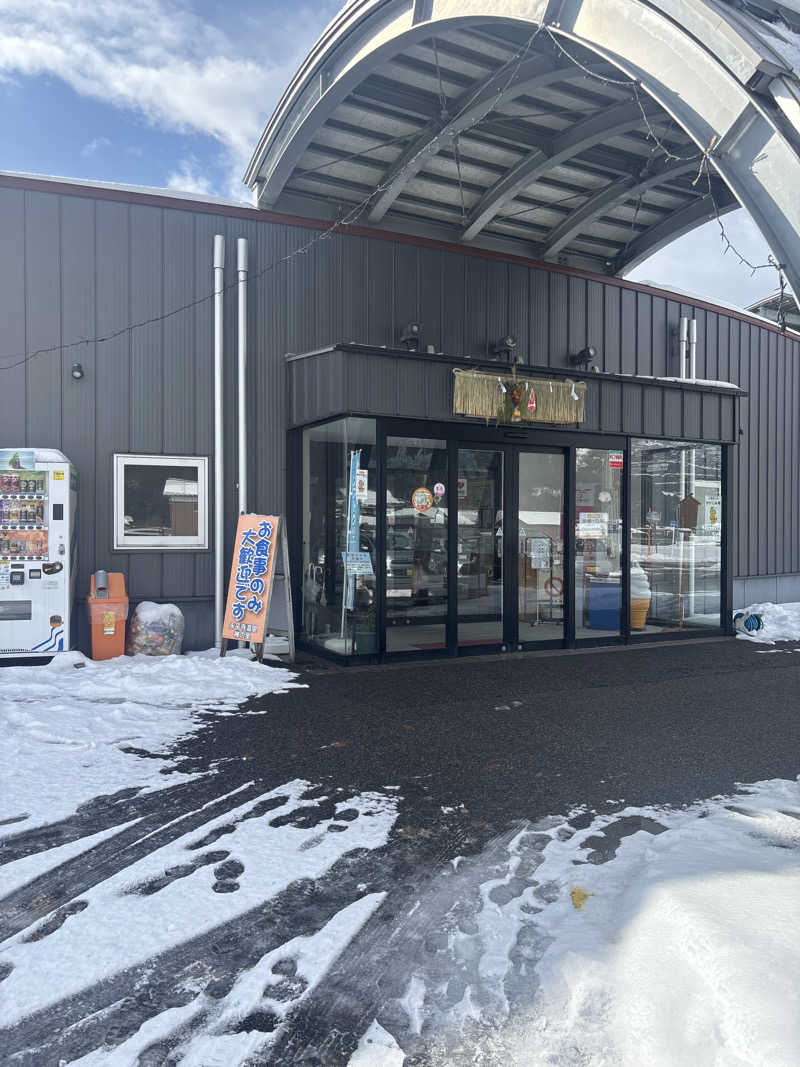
column 329, row 377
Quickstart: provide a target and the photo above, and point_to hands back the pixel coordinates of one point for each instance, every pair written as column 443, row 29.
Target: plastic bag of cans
column 155, row 630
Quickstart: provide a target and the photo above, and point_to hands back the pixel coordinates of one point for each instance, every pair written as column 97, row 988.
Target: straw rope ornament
column 509, row 399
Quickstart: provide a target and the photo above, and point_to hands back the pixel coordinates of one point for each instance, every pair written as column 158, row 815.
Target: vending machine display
column 38, row 499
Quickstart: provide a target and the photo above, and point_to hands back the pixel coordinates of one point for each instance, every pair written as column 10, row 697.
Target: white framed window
column 160, row 502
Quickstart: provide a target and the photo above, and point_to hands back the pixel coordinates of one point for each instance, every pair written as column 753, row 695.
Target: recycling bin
column 108, row 611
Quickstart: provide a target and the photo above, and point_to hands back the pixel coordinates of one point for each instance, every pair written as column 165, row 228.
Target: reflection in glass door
column 416, row 544
column 598, row 543
column 480, row 546
column 540, row 559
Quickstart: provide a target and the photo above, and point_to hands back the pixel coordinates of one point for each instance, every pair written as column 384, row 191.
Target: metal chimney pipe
column 684, row 333
column 219, row 458
column 241, row 264
column 693, row 348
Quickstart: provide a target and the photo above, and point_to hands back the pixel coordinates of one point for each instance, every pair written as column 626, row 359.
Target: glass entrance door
column 416, row 538
column 541, row 595
column 479, row 567
column 598, row 543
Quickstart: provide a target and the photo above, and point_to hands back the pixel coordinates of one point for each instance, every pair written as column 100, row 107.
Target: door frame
column 511, row 440
column 511, row 549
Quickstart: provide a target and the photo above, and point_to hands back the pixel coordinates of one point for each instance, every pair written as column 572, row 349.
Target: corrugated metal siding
column 328, row 384
column 74, row 267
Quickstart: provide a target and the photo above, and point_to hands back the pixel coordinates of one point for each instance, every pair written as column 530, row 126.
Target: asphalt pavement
column 474, row 749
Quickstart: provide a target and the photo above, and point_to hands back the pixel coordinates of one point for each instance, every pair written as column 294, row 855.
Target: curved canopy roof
column 590, row 132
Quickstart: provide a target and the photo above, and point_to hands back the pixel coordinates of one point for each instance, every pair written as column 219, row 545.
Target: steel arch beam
column 674, row 226
column 468, row 109
column 597, row 128
column 611, row 196
column 696, row 58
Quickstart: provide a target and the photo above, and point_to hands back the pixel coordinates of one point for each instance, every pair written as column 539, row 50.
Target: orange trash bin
column 108, row 610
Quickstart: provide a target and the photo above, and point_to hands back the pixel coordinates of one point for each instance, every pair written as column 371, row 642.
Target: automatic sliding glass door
column 540, row 547
column 598, row 543
column 479, row 568
column 416, row 544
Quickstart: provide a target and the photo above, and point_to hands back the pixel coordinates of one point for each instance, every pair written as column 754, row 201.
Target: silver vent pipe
column 241, row 266
column 219, row 458
column 684, row 334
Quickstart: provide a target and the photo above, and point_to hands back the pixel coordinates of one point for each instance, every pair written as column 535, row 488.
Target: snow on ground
column 223, row 1040
column 66, row 725
column 685, row 946
column 377, row 1048
column 651, row 936
column 781, row 623
column 256, row 990
column 176, row 893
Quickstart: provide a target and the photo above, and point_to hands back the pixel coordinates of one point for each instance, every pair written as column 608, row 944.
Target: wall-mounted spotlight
column 585, row 358
column 505, row 346
column 410, row 336
column 77, row 371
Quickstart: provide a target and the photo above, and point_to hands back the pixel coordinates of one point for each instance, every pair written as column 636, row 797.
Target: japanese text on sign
column 251, row 578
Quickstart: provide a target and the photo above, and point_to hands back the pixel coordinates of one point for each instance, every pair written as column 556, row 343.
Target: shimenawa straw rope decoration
column 508, row 399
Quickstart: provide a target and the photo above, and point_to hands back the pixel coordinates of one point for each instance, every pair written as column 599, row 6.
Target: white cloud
column 181, row 72
column 186, row 75
column 95, row 145
column 188, row 179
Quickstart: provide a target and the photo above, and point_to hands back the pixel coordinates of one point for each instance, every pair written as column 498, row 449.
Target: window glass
column 339, row 556
column 480, row 546
column 676, row 535
column 161, row 502
column 540, row 560
column 416, row 544
column 598, row 542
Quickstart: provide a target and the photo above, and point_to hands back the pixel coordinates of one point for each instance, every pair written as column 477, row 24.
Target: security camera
column 410, row 336
column 505, row 346
column 585, row 358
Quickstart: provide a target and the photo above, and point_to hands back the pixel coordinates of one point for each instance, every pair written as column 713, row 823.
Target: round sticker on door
column 554, row 587
column 438, row 489
column 422, row 499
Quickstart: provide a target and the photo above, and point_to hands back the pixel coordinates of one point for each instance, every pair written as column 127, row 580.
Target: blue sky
column 175, row 94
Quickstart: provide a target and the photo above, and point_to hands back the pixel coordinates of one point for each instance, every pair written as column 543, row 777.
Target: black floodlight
column 505, row 346
column 585, row 358
column 410, row 336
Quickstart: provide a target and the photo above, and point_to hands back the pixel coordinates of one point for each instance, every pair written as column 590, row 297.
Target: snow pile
column 651, row 937
column 71, row 734
column 682, row 949
column 781, row 623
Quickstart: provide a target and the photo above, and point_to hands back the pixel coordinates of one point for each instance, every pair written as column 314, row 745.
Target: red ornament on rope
column 531, row 401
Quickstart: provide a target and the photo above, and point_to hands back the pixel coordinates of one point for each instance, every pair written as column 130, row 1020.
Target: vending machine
column 38, row 539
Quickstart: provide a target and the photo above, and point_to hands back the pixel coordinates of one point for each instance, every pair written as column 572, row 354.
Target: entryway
column 422, row 539
column 478, row 545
